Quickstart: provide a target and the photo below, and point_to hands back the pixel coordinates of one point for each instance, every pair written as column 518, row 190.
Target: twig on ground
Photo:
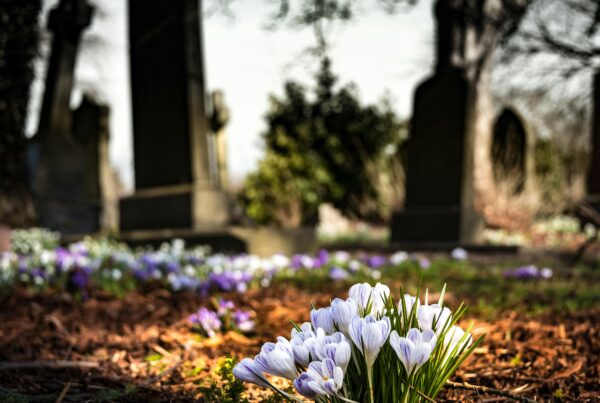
column 487, row 389
column 47, row 364
column 64, row 392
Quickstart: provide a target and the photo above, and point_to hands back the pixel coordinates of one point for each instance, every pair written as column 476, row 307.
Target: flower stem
column 370, row 379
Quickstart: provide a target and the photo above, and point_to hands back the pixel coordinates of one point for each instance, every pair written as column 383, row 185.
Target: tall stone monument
column 56, row 157
column 173, row 182
column 439, row 181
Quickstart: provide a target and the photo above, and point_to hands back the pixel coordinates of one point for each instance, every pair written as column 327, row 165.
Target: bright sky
column 379, row 52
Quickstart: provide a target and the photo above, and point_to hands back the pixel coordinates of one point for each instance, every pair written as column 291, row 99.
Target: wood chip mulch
column 141, row 347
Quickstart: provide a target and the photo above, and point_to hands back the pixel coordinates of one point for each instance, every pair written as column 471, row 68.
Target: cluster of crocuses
column 226, row 317
column 367, row 348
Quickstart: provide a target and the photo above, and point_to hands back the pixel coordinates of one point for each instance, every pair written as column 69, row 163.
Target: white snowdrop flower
column 265, row 282
column 116, row 274
column 307, row 262
column 546, row 272
column 189, row 270
column 38, row 280
column 280, row 261
column 178, row 244
column 341, row 256
column 459, row 254
column 354, row 265
column 376, row 274
column 46, row 257
column 398, row 258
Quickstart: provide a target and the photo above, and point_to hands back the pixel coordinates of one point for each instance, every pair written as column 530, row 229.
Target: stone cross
column 218, row 121
column 67, row 22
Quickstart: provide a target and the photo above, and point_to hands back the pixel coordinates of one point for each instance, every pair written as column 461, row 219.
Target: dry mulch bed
column 144, row 340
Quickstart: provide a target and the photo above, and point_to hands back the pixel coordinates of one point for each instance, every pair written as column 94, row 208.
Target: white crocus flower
column 433, row 317
column 454, row 339
column 247, row 371
column 343, row 312
column 409, row 302
column 369, row 335
column 322, row 318
column 322, row 378
column 277, row 359
column 365, row 295
column 414, row 349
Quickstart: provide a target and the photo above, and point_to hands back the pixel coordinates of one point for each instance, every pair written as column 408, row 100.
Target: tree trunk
column 18, row 48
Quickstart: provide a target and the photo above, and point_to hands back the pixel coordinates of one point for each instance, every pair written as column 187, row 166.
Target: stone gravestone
column 174, row 187
column 56, row 157
column 100, row 184
column 439, row 178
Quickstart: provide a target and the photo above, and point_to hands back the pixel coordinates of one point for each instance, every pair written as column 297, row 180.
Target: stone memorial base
column 174, row 207
column 262, row 241
column 436, row 225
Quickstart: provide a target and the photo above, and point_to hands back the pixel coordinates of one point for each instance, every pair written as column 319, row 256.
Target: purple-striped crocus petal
column 361, row 293
column 247, row 371
column 343, row 312
column 302, row 385
column 322, row 318
column 355, row 331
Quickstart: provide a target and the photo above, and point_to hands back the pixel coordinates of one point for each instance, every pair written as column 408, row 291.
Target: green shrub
column 325, row 147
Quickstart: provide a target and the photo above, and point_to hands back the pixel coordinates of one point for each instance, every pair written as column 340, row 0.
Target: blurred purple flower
column 321, row 259
column 224, row 306
column 80, row 279
column 424, row 263
column 528, row 272
column 375, row 261
column 337, row 273
column 296, row 262
column 207, row 320
column 459, row 254
column 242, row 321
column 172, row 267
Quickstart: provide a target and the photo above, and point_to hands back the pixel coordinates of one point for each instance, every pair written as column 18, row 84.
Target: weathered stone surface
column 65, row 160
column 439, row 191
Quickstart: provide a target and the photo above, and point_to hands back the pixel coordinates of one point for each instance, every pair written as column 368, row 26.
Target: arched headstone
column 509, row 151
